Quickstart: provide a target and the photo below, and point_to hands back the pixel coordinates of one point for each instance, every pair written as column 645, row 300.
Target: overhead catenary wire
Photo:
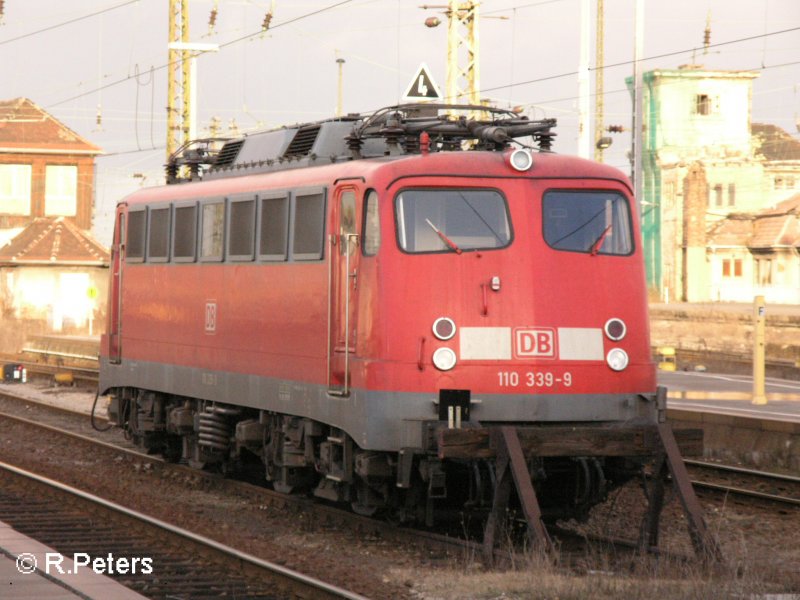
column 222, row 45
column 537, row 104
column 276, row 25
column 482, row 91
column 649, row 58
column 65, row 23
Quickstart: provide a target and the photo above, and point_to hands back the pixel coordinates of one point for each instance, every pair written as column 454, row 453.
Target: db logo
column 534, row 343
column 211, row 317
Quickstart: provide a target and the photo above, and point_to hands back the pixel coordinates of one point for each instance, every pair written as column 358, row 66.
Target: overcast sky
column 60, row 56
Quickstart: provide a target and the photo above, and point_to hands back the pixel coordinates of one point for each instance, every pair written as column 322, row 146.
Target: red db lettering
column 534, row 343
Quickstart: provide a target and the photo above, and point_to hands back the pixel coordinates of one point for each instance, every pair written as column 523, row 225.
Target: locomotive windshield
column 593, row 222
column 452, row 220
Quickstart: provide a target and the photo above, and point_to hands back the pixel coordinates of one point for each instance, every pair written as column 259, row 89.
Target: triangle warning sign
column 422, row 87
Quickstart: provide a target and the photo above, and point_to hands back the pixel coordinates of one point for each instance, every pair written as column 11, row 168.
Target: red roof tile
column 25, row 127
column 776, row 144
column 53, row 241
column 734, row 230
column 779, row 226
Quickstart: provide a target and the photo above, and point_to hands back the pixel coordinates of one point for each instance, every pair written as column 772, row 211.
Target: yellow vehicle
column 666, row 358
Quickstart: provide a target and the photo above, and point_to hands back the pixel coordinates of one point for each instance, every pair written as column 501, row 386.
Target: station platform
column 778, row 407
column 731, row 395
column 20, row 579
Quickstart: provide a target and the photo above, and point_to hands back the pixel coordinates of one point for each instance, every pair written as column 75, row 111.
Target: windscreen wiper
column 595, row 248
column 447, row 241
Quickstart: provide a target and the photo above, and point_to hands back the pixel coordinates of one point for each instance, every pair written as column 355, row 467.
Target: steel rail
column 442, row 542
column 79, row 436
column 227, row 551
column 739, row 491
column 742, row 470
column 745, row 492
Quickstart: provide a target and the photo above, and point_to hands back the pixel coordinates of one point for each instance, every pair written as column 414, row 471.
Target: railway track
column 458, row 542
column 749, row 484
column 75, row 445
column 175, row 563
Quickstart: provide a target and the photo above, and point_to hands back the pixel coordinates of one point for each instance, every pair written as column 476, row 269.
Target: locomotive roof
column 388, row 169
column 393, row 131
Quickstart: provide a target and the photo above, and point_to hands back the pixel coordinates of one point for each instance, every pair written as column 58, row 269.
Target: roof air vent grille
column 228, row 153
column 303, row 141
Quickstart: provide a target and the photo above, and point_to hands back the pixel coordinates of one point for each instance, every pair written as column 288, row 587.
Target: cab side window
column 371, row 230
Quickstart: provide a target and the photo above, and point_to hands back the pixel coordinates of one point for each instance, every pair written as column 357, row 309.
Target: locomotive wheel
column 361, row 505
column 282, row 488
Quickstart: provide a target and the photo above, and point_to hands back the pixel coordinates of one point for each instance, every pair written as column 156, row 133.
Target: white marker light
column 617, row 359
column 444, row 359
column 521, row 159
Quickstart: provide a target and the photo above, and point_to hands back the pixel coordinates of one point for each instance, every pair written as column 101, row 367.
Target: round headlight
column 615, row 329
column 521, row 159
column 444, row 328
column 444, row 359
column 617, row 359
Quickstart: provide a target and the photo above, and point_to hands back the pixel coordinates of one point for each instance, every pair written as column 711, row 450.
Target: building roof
column 25, row 127
column 775, row 143
column 698, row 72
column 778, row 226
column 53, row 241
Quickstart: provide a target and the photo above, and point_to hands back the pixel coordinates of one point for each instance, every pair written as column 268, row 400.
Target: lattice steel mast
column 179, row 107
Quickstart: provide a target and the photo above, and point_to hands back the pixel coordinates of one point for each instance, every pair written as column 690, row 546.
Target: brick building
column 53, row 274
column 46, row 169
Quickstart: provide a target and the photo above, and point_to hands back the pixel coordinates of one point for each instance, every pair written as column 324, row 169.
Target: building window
column 718, row 195
column 732, row 267
column 778, row 183
column 702, row 104
column 61, row 191
column 15, row 189
column 764, row 271
column 789, row 182
column 731, row 194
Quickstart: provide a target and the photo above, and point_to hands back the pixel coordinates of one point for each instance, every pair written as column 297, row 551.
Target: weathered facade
column 704, row 160
column 53, row 279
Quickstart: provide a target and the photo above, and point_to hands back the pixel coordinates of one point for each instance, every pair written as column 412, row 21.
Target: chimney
column 695, row 268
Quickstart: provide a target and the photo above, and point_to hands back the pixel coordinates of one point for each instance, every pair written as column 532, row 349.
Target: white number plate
column 533, row 379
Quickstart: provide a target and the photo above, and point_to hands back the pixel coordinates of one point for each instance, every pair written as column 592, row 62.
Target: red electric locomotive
column 360, row 303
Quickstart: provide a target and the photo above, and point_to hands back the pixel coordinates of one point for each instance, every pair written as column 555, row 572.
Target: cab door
column 115, row 293
column 344, row 259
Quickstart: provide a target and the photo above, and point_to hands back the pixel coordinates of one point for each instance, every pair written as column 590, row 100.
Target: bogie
column 300, row 455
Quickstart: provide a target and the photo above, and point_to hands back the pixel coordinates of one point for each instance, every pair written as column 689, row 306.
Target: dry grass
column 759, row 547
column 534, row 576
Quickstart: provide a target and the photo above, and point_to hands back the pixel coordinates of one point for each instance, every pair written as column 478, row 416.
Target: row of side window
column 271, row 226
